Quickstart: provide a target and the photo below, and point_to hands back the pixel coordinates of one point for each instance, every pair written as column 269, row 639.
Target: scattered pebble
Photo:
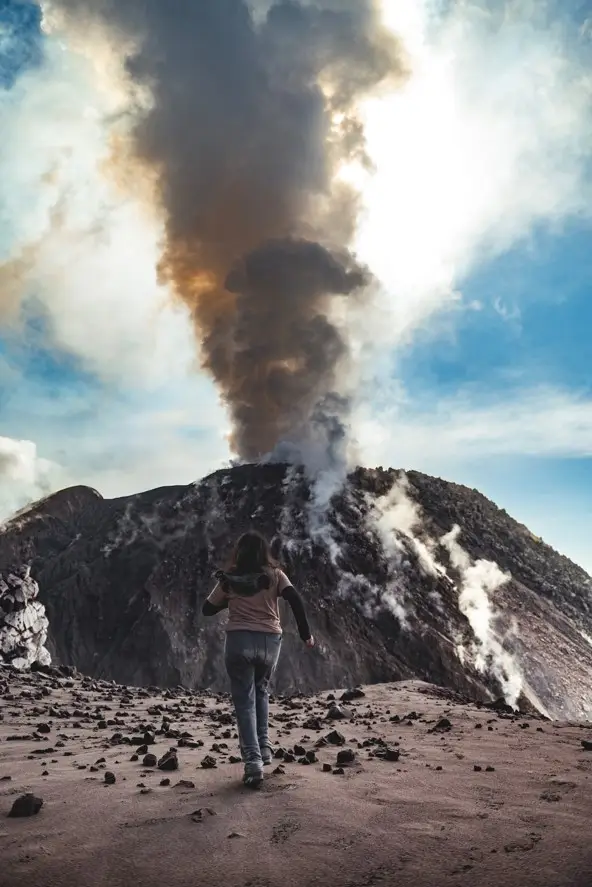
column 346, row 756
column 26, row 805
column 169, row 760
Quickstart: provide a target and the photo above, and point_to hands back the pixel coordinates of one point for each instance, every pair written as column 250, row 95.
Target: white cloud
column 24, row 475
column 488, row 140
column 118, row 444
column 78, row 251
column 542, row 422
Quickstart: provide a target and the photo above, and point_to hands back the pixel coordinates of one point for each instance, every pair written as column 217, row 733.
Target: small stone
column 289, row 758
column 335, row 738
column 149, row 760
column 477, row 768
column 110, row 778
column 338, row 771
column 145, row 791
column 327, row 768
column 234, row 759
column 43, row 728
column 349, row 695
column 489, row 769
column 391, row 754
column 299, row 750
column 26, row 805
column 346, row 756
column 169, row 760
column 134, row 758
column 587, row 744
column 336, row 713
column 142, row 750
column 165, row 782
column 209, row 763
column 185, row 783
column 235, row 835
column 279, row 771
column 311, row 757
column 199, row 815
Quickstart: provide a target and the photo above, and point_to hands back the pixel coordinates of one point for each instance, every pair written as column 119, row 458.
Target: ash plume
column 242, row 122
column 284, row 351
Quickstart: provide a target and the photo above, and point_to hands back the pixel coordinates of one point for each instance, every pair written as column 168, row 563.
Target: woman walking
column 250, row 588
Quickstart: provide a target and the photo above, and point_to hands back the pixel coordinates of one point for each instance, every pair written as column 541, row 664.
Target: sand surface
column 428, row 818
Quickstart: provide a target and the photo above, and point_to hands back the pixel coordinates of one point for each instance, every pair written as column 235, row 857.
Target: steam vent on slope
column 406, row 576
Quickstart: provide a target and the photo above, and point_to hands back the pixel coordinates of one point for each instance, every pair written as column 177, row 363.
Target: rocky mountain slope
column 404, row 576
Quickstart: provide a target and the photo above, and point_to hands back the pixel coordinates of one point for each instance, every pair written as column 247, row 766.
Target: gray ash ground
column 123, row 580
column 397, row 783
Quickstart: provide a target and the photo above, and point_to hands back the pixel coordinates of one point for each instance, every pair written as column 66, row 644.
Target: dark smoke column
column 249, row 120
column 285, row 350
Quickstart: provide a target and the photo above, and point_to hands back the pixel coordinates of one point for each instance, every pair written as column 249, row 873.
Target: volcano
column 403, row 575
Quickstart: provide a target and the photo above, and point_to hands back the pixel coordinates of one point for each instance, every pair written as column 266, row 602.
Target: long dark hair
column 251, row 554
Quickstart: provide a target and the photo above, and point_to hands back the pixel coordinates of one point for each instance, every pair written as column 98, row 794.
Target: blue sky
column 481, row 367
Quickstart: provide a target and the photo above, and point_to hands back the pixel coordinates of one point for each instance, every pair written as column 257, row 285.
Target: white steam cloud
column 479, row 580
column 24, row 475
column 396, row 514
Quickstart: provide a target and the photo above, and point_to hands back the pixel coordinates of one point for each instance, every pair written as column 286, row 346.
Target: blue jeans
column 251, row 658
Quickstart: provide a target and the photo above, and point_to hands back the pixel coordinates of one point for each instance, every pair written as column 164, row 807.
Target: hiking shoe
column 253, row 779
column 266, row 756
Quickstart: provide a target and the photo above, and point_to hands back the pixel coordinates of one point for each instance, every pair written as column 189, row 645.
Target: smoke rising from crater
column 240, row 124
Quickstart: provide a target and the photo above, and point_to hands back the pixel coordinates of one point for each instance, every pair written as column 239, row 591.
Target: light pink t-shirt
column 259, row 612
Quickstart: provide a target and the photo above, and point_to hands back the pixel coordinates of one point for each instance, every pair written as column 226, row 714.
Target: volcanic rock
column 106, row 567
column 23, row 622
column 335, row 738
column 169, row 760
column 350, row 695
column 26, row 805
column 346, row 756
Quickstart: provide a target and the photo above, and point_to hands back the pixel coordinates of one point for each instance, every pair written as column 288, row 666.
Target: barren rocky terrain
column 400, row 783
